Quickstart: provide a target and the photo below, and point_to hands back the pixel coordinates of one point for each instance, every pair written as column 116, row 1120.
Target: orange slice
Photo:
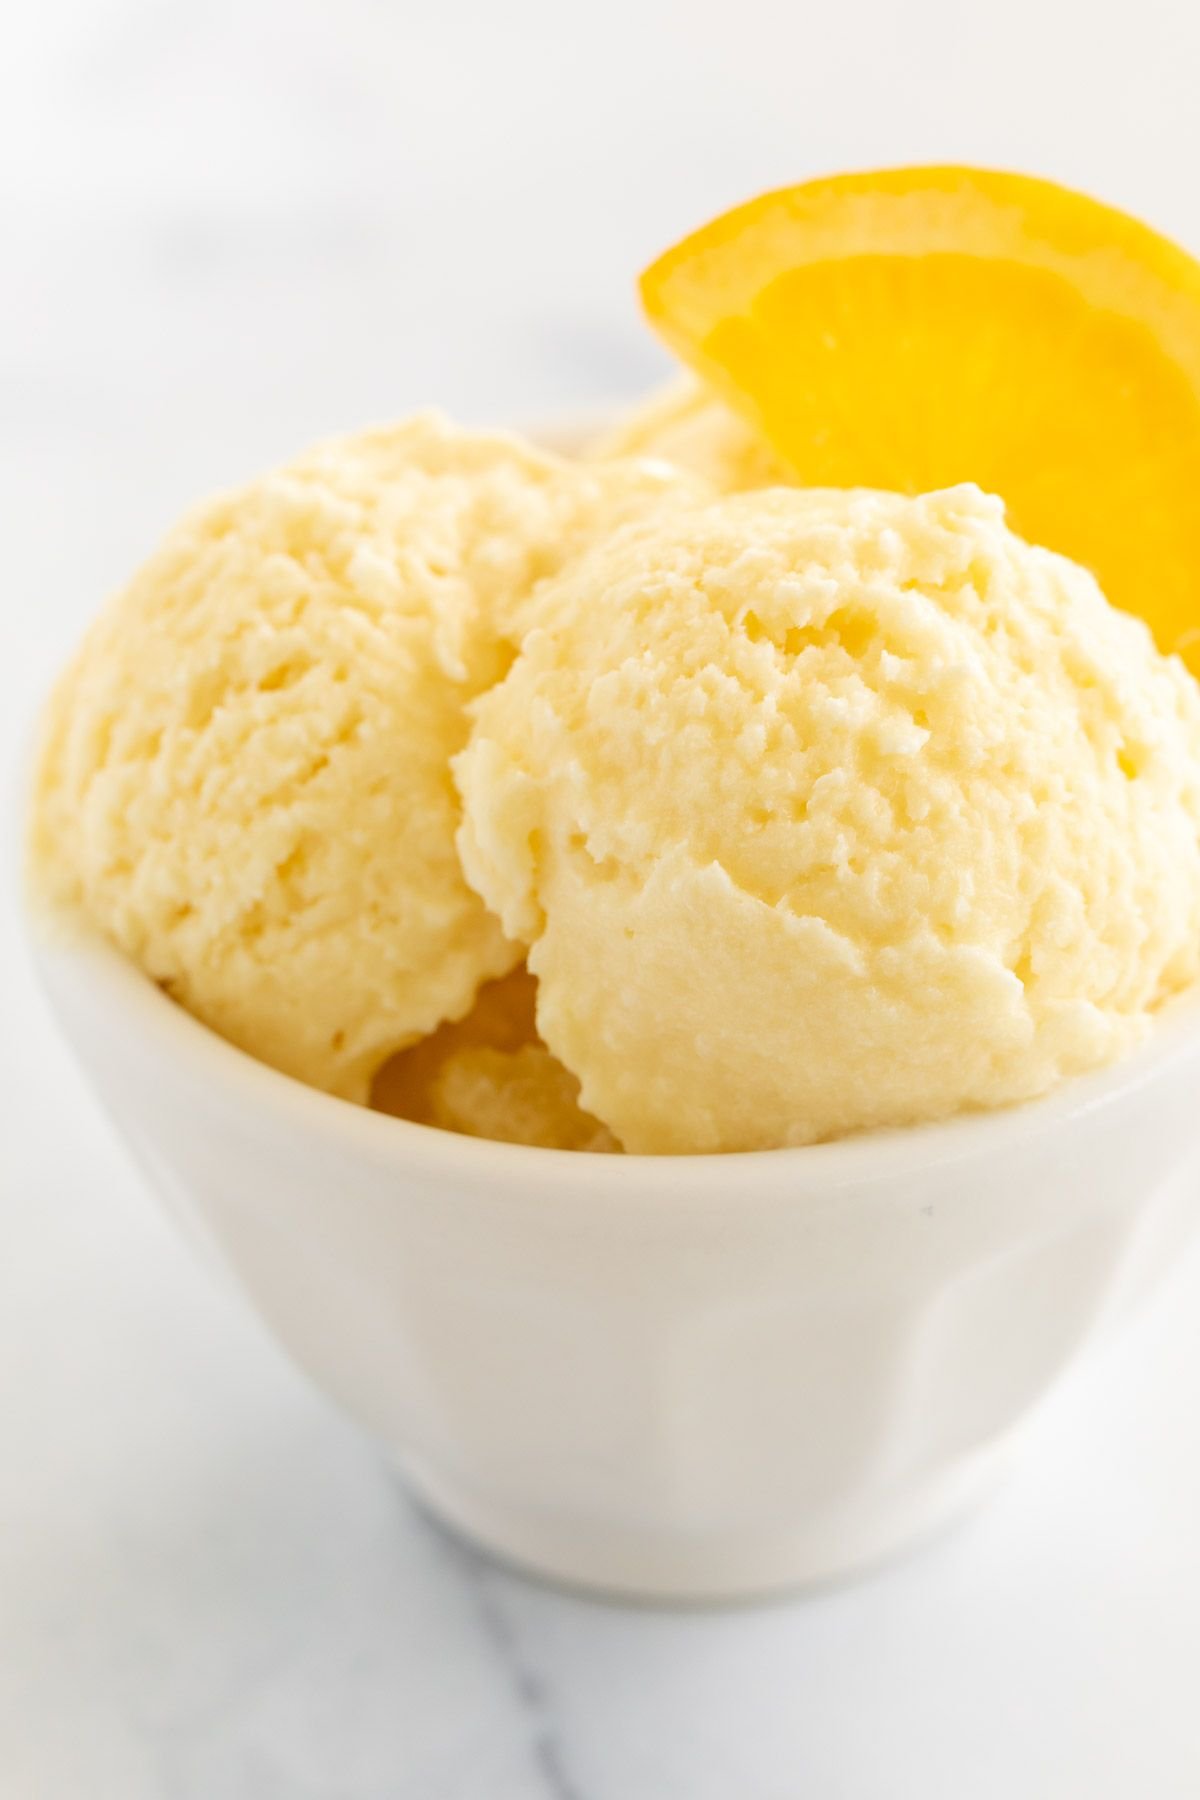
column 913, row 328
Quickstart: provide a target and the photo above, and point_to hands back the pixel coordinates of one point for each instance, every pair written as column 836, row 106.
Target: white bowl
column 668, row 1377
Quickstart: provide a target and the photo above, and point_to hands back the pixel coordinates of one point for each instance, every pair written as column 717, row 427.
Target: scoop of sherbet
column 522, row 1096
column 831, row 810
column 244, row 777
column 487, row 1075
column 688, row 425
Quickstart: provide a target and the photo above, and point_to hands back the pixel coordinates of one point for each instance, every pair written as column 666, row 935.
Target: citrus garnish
column 913, row 328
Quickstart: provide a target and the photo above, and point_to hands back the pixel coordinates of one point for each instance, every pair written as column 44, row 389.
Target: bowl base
column 703, row 1568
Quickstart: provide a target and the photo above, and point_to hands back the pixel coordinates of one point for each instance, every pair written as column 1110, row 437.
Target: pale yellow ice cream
column 690, row 426
column 822, row 811
column 523, row 1096
column 244, row 780
column 488, row 1075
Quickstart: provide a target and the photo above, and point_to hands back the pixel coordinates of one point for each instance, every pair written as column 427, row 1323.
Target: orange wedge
column 913, row 328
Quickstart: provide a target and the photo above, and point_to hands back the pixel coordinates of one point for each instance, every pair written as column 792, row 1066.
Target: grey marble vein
column 549, row 1752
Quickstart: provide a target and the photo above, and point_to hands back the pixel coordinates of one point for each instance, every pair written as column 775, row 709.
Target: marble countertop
column 226, row 230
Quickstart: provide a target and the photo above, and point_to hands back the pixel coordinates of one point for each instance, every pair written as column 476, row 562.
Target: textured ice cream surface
column 822, row 811
column 522, row 1096
column 244, row 776
column 688, row 425
column 488, row 1075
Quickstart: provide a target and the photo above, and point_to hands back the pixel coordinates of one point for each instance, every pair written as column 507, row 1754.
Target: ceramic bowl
column 669, row 1377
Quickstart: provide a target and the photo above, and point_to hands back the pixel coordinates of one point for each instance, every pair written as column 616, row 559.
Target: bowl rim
column 69, row 955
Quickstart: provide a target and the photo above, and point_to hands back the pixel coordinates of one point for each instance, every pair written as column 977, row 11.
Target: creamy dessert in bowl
column 815, row 846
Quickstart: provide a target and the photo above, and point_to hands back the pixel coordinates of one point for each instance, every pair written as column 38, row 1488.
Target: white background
column 226, row 228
